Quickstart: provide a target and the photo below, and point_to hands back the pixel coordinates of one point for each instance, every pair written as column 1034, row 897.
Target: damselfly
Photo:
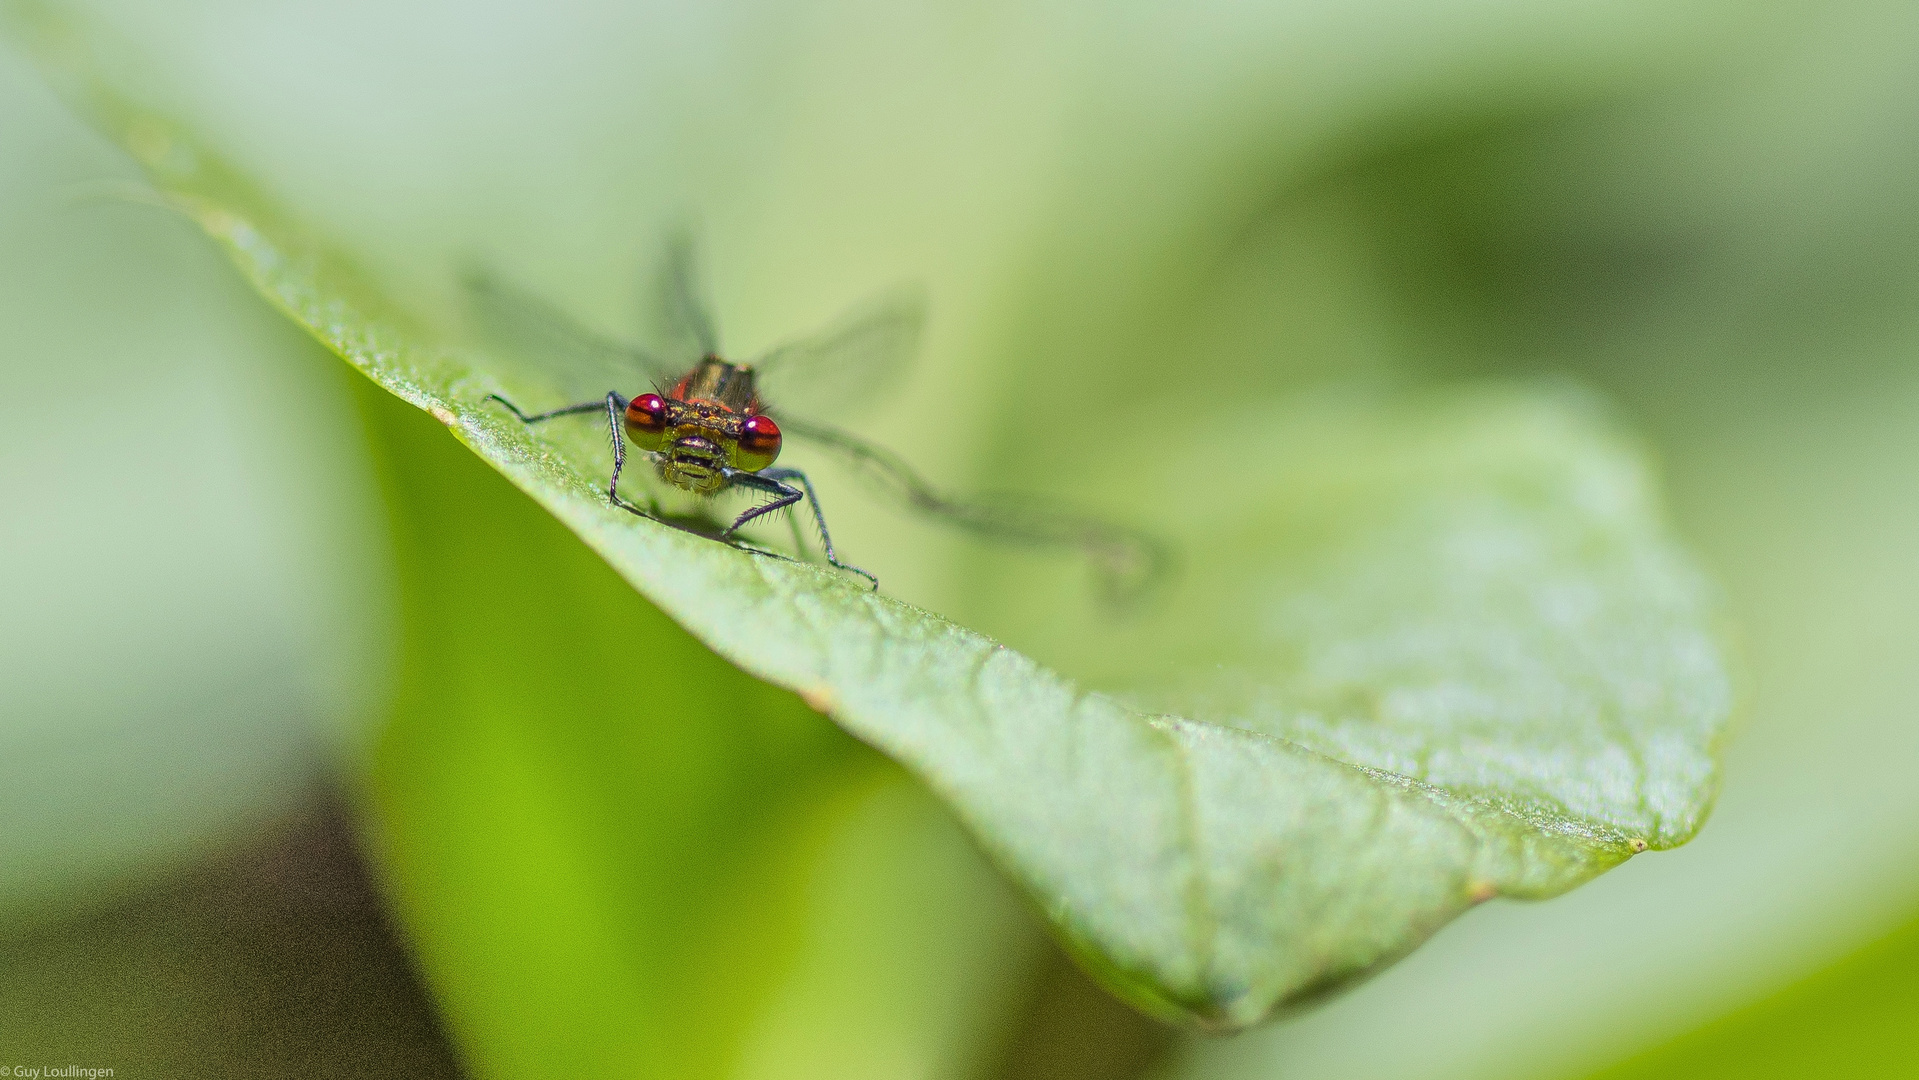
column 715, row 425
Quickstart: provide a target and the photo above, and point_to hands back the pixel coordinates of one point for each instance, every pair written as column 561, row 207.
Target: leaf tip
column 1637, row 845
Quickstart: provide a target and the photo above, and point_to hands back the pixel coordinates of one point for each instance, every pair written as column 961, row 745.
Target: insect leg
column 770, row 481
column 615, row 407
column 582, row 407
column 784, row 495
column 826, row 538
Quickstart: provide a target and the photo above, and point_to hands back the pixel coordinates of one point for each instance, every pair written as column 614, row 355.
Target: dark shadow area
column 1071, row 1029
column 271, row 957
column 1628, row 242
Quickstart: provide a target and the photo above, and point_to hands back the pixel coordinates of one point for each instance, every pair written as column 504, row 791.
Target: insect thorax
column 707, row 410
column 730, row 386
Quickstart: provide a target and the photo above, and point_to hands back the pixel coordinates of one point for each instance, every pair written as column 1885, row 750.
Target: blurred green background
column 237, row 837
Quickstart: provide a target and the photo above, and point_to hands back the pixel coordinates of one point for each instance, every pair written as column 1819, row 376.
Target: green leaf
column 610, row 844
column 1429, row 647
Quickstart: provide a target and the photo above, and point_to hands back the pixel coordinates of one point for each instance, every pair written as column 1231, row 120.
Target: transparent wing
column 582, row 362
column 853, row 361
column 1130, row 563
column 685, row 320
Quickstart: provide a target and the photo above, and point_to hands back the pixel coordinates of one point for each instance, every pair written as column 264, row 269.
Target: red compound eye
column 759, row 443
column 646, row 421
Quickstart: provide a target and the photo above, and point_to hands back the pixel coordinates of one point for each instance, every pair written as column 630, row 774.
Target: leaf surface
column 1437, row 647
